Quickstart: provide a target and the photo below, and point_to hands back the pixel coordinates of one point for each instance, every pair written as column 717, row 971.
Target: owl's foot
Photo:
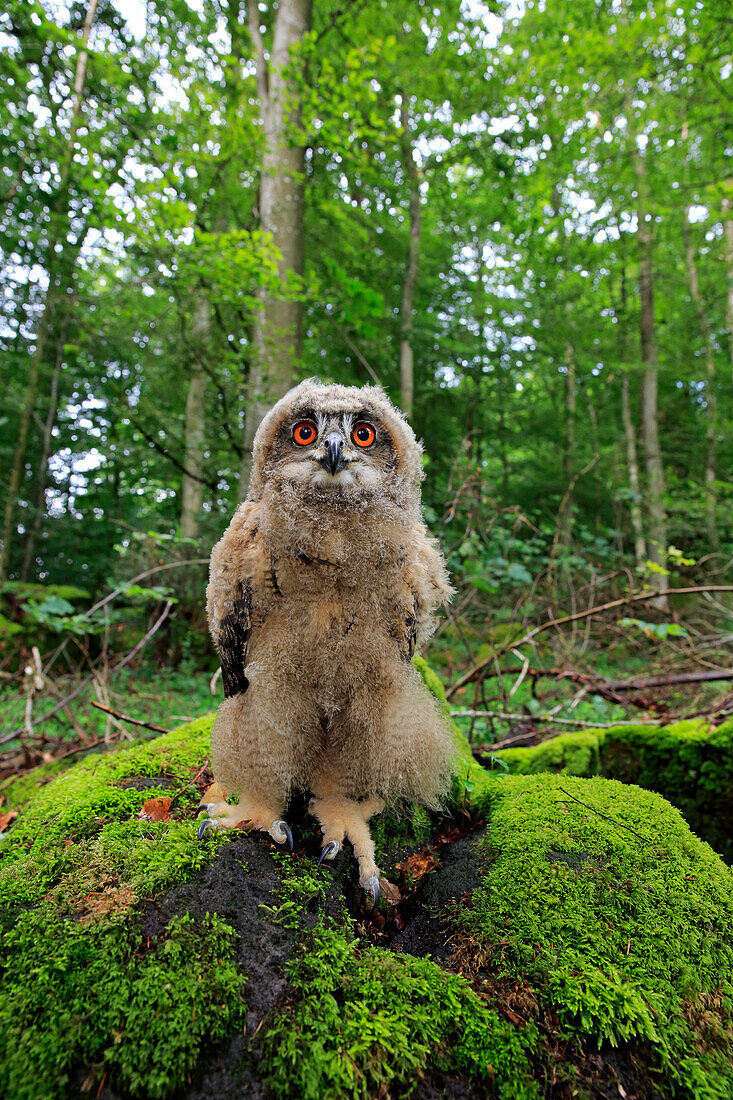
column 223, row 816
column 342, row 817
column 371, row 886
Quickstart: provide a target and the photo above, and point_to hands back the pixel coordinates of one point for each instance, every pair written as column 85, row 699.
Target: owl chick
column 321, row 589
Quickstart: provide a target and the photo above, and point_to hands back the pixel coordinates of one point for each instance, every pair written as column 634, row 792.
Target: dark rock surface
column 426, row 932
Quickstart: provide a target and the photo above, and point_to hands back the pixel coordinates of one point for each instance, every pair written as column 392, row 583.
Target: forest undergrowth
column 518, row 667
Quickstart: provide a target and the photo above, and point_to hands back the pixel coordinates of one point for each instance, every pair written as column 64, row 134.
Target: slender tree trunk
column 57, row 222
column 277, row 335
column 565, row 518
column 192, row 490
column 655, row 484
column 728, row 226
column 53, row 402
column 407, row 307
column 632, row 463
column 632, row 459
column 710, row 397
column 565, row 515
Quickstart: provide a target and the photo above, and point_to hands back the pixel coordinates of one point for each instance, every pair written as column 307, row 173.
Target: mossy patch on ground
column 83, row 830
column 617, row 916
column 84, row 1002
column 687, row 762
column 360, row 1020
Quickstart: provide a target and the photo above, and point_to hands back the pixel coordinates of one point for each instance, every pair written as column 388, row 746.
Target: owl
column 323, row 586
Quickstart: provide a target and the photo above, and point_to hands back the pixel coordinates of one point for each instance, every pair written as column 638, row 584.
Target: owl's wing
column 236, row 565
column 234, row 634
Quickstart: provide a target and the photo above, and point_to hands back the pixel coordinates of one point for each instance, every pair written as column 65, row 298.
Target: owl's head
column 340, row 445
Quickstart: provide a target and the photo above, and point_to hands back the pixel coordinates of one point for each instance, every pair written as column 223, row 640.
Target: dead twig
column 535, row 718
column 606, row 816
column 127, row 718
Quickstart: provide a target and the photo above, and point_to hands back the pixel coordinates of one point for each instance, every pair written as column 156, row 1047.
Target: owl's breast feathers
column 339, row 586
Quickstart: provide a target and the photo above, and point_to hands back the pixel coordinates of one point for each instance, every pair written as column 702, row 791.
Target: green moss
column 625, row 936
column 25, row 786
column 76, row 996
column 622, row 936
column 84, row 827
column 686, row 762
column 364, row 1020
column 390, row 830
column 79, row 989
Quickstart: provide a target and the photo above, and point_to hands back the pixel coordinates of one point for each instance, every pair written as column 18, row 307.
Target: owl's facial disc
column 341, row 455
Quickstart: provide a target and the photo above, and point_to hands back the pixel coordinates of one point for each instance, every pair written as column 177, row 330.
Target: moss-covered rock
column 598, row 896
column 688, row 763
column 576, row 939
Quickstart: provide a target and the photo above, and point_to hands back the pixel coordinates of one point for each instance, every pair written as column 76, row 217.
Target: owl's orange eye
column 304, row 433
column 363, row 435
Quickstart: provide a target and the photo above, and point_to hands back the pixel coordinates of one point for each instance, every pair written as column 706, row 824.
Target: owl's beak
column 333, row 460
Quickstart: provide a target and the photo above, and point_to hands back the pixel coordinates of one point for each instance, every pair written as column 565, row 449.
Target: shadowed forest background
column 515, row 218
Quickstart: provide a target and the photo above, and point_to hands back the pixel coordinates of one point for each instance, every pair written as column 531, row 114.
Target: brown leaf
column 6, row 818
column 418, row 864
column 109, row 900
column 156, row 809
column 389, row 892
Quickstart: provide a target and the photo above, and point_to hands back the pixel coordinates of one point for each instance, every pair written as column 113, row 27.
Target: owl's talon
column 329, row 851
column 280, row 832
column 205, row 827
column 372, row 887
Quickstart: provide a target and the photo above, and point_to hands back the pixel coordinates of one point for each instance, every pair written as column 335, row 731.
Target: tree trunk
column 655, row 486
column 565, row 515
column 407, row 307
column 192, row 488
column 277, row 335
column 565, row 518
column 59, row 214
column 728, row 224
column 35, row 527
column 710, row 397
column 632, row 463
column 632, row 459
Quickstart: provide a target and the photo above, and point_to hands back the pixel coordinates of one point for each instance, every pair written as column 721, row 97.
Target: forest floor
column 518, row 702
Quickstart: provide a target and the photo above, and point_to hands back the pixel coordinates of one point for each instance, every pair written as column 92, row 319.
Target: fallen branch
column 127, row 718
column 535, row 718
column 667, row 681
column 478, row 670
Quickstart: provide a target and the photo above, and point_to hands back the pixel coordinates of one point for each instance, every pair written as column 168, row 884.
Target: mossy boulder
column 687, row 762
column 569, row 937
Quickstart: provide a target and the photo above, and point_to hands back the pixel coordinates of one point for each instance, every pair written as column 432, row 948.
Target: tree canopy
column 514, row 218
